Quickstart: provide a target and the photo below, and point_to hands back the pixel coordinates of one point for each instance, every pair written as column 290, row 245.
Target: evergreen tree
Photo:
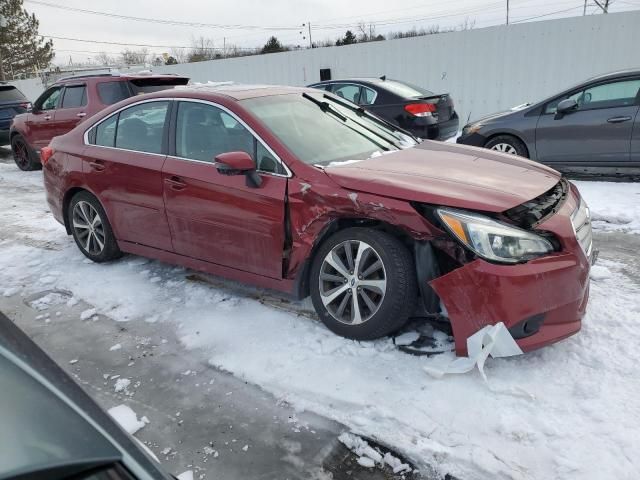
column 349, row 38
column 22, row 50
column 273, row 45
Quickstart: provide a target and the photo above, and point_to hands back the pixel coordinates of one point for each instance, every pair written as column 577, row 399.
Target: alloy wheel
column 21, row 155
column 352, row 282
column 88, row 227
column 505, row 148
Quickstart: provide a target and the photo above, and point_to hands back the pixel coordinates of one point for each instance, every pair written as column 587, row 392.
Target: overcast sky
column 329, row 19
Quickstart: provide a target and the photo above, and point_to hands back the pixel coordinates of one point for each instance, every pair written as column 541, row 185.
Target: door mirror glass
column 567, row 105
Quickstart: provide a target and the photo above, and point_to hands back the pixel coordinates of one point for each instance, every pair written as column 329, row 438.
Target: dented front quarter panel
column 315, row 203
column 482, row 293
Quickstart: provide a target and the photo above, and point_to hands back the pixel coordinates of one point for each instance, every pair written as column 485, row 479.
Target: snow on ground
column 614, row 206
column 127, row 418
column 571, row 410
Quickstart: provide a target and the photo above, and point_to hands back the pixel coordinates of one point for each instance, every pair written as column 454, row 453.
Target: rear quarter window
column 112, row 92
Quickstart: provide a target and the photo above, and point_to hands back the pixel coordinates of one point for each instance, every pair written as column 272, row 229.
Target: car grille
column 533, row 212
column 581, row 221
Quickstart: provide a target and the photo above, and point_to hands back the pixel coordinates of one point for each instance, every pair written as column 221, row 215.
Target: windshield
column 319, row 130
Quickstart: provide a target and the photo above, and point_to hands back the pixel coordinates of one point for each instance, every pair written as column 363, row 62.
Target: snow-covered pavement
column 568, row 411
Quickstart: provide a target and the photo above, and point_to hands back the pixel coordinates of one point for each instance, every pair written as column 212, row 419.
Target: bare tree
column 179, row 54
column 103, row 58
column 134, row 57
column 203, row 49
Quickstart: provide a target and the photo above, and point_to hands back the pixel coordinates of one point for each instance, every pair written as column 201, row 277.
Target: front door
column 597, row 133
column 41, row 119
column 215, row 217
column 123, row 168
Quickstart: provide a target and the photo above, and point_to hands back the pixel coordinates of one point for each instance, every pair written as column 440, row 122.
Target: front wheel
column 363, row 283
column 24, row 156
column 508, row 144
column 91, row 228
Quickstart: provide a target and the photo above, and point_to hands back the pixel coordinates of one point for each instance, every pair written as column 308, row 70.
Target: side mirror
column 238, row 163
column 566, row 106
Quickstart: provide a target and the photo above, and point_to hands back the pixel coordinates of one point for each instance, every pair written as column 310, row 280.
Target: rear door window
column 106, row 132
column 74, row 96
column 113, row 92
column 348, row 91
column 141, row 127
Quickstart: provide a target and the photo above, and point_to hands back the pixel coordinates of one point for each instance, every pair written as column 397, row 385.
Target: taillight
column 45, row 154
column 421, row 109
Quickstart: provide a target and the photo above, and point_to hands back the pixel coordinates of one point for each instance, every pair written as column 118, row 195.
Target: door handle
column 97, row 165
column 47, row 117
column 618, row 119
column 175, row 183
column 81, row 114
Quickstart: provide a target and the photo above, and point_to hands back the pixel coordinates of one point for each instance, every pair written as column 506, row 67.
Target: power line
column 162, row 21
column 546, row 14
column 129, row 44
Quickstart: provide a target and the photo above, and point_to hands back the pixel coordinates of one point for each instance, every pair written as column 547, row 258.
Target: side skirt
column 281, row 285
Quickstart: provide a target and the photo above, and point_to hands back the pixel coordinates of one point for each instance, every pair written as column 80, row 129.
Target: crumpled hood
column 449, row 174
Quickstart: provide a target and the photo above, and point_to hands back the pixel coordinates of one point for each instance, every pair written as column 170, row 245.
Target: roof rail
column 88, row 75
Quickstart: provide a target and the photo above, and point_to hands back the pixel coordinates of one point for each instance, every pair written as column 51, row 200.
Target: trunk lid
column 450, row 175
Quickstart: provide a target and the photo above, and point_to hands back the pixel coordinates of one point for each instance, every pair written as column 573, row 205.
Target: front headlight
column 492, row 240
column 473, row 128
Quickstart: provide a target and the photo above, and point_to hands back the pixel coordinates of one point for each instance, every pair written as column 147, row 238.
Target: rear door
column 71, row 110
column 597, row 133
column 123, row 168
column 218, row 218
column 40, row 121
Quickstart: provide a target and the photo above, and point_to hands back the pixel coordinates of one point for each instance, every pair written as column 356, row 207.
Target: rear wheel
column 363, row 283
column 24, row 156
column 91, row 228
column 508, row 144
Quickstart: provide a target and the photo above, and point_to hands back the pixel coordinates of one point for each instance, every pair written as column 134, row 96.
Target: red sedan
column 301, row 191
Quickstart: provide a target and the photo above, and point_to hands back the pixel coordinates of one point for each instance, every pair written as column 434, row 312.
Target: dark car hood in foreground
column 448, row 174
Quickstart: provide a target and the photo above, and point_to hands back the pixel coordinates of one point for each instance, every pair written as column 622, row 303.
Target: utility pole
column 310, row 42
column 584, row 10
column 3, row 24
column 224, row 47
column 603, row 4
column 507, row 12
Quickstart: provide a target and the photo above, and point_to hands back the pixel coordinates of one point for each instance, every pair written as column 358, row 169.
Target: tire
column 508, row 144
column 82, row 210
column 393, row 306
column 25, row 157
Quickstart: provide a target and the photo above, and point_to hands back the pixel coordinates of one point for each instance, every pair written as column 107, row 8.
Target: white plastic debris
column 406, row 338
column 494, row 340
column 188, row 475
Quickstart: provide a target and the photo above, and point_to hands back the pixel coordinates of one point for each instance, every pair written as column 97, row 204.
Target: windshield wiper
column 325, row 107
column 361, row 111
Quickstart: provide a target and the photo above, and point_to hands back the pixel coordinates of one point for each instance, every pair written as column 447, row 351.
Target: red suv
column 68, row 102
column 301, row 191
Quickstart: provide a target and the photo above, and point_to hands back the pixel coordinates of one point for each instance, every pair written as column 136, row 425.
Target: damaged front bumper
column 540, row 302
